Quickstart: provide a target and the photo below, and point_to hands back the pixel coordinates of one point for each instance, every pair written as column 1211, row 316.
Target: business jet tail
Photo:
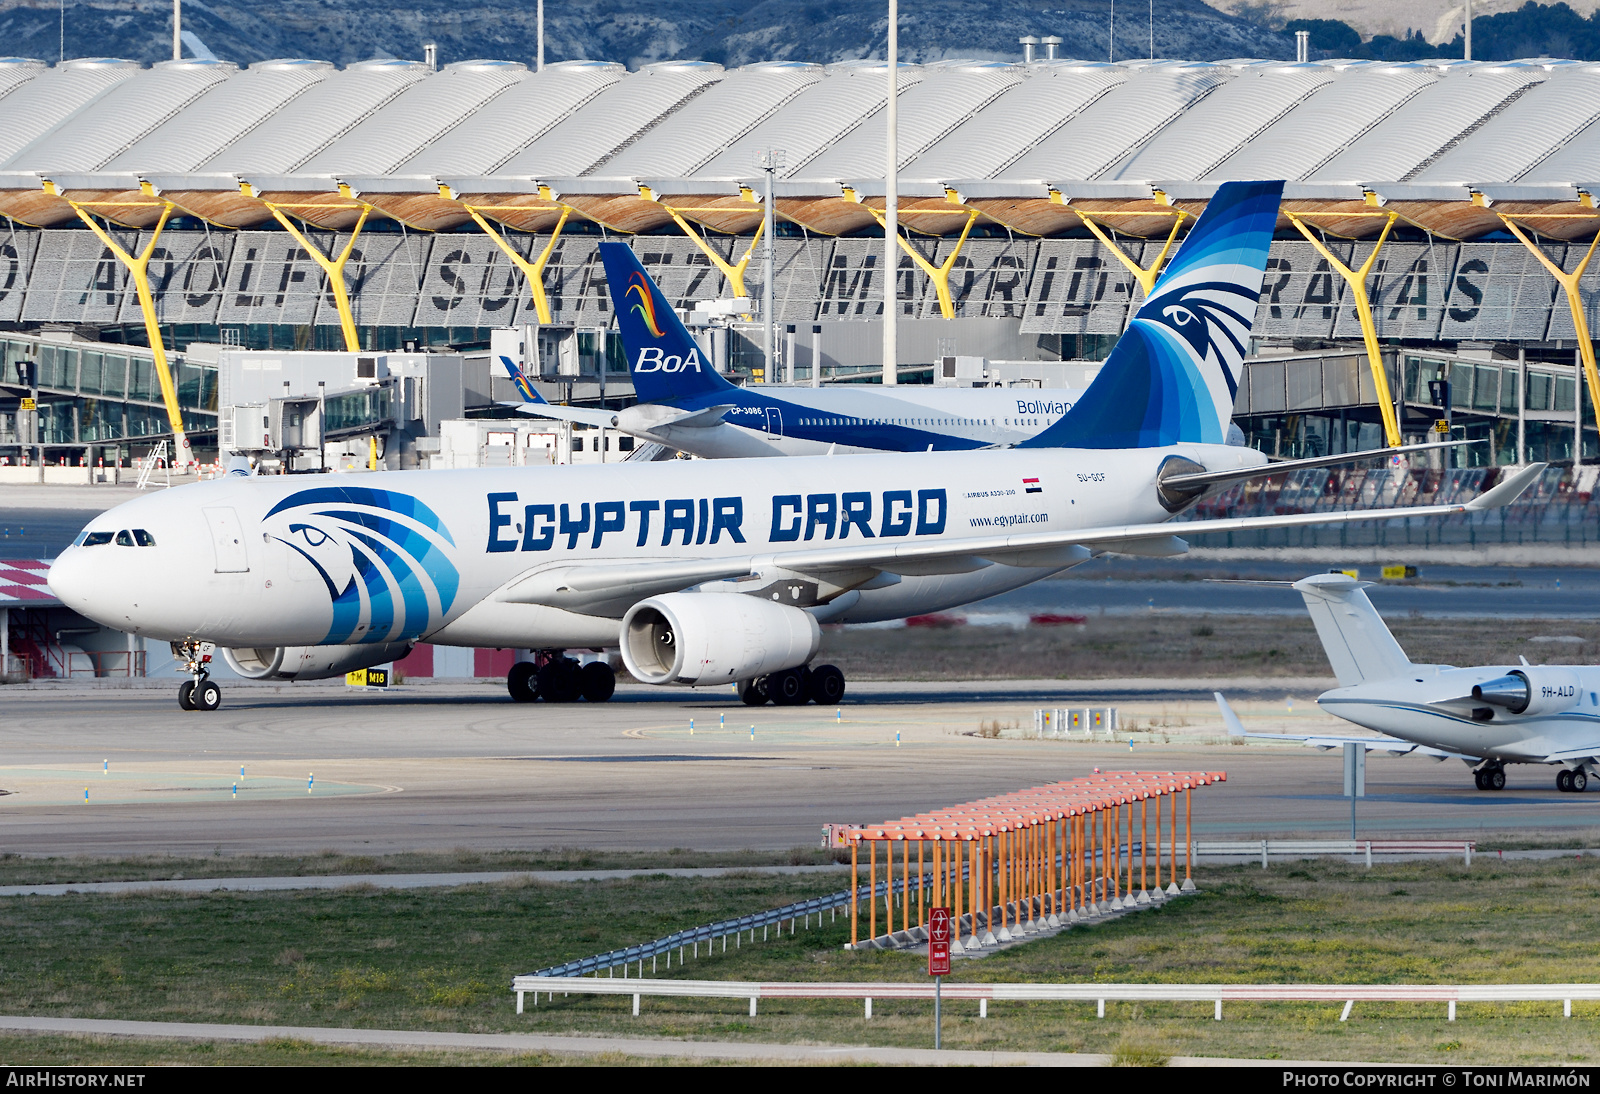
column 665, row 362
column 1354, row 635
column 1173, row 375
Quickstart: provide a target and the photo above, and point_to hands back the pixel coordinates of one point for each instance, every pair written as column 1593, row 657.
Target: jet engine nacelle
column 309, row 662
column 714, row 638
column 1533, row 690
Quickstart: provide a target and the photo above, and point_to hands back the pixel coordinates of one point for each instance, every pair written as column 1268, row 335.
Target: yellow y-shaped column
column 940, row 274
column 1357, row 280
column 333, row 267
column 1580, row 321
column 1146, row 277
column 138, row 271
column 734, row 272
column 533, row 271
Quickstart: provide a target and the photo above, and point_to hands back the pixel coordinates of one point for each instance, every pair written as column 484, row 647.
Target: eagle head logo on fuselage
column 383, row 556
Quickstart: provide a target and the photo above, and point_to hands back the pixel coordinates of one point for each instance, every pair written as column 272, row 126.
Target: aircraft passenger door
column 227, row 539
column 775, row 421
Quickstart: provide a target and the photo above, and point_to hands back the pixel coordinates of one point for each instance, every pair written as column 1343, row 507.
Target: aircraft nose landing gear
column 199, row 692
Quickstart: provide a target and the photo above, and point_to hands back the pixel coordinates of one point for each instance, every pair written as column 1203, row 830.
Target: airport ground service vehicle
column 1487, row 716
column 704, row 572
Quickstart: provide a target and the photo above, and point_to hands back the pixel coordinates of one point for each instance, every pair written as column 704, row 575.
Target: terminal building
column 351, row 239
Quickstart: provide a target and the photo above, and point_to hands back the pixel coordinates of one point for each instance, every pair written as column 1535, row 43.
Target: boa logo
column 639, row 286
column 651, row 359
column 383, row 556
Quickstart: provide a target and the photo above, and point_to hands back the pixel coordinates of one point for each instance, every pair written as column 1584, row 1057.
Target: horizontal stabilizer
column 700, row 419
column 585, row 415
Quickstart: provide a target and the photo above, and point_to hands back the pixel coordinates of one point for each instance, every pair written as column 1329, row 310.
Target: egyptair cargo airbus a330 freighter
column 703, row 572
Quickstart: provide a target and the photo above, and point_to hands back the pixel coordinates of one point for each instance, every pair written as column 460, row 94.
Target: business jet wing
column 611, row 587
column 1321, row 741
column 1588, row 753
column 1325, row 742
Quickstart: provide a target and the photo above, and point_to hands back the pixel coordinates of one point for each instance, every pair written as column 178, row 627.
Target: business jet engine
column 309, row 662
column 1532, row 690
column 695, row 639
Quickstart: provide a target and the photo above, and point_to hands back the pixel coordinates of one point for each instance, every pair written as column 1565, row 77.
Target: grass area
column 81, row 1051
column 442, row 959
column 21, row 870
column 1159, row 644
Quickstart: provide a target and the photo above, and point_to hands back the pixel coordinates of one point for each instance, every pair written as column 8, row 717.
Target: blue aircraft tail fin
column 665, row 362
column 520, row 381
column 1174, row 373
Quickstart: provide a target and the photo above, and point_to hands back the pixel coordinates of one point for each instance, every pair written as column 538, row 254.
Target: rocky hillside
column 634, row 31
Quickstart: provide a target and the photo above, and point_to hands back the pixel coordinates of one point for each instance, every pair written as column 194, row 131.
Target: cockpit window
column 95, row 539
column 143, row 538
column 124, row 538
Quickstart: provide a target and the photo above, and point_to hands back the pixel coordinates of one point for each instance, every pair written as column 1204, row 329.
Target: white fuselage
column 1432, row 706
column 872, row 418
column 770, row 420
column 423, row 555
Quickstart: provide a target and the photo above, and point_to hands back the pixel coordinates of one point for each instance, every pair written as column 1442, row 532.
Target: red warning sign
column 939, row 942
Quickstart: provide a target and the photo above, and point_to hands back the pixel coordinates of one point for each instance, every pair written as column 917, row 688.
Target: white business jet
column 703, row 572
column 1487, row 716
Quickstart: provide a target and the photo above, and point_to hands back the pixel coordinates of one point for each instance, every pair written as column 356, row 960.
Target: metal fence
column 1342, row 847
column 1216, row 994
column 692, row 939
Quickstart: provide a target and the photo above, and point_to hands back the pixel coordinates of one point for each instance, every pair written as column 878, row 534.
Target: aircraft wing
column 613, row 585
column 1325, row 742
column 1321, row 741
column 584, row 415
column 1590, row 753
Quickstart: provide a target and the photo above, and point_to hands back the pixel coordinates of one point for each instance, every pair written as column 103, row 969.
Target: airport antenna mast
column 769, row 160
column 891, row 205
column 538, row 63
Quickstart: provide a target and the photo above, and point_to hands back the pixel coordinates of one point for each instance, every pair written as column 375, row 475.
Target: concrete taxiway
column 442, row 767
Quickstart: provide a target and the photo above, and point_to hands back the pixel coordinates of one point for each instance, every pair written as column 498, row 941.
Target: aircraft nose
column 71, row 579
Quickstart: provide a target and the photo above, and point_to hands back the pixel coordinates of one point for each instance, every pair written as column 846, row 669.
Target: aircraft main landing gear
column 823, row 685
column 1490, row 778
column 557, row 678
column 1572, row 780
column 200, row 692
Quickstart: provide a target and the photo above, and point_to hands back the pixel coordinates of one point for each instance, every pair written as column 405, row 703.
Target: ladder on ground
column 148, row 465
